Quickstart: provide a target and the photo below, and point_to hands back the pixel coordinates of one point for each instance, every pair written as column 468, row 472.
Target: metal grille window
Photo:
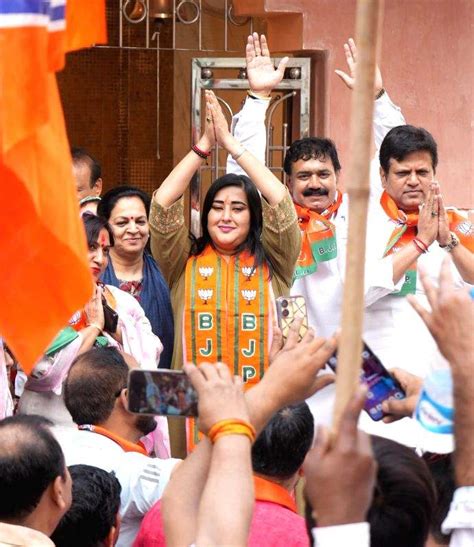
column 288, row 116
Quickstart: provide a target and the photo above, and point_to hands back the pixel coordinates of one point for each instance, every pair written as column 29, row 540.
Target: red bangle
column 418, row 247
column 200, row 153
column 420, row 243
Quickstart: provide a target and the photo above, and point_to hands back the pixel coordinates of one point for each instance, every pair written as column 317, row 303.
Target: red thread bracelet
column 200, row 153
column 422, row 244
column 418, row 247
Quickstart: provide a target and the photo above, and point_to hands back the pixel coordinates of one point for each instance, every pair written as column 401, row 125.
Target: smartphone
column 288, row 309
column 161, row 393
column 381, row 384
column 110, row 318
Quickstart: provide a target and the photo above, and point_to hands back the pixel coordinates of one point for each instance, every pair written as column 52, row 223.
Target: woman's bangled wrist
column 236, row 149
column 204, row 144
column 95, row 326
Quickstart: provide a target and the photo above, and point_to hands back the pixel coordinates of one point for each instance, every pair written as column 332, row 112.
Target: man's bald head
column 30, row 460
column 97, row 377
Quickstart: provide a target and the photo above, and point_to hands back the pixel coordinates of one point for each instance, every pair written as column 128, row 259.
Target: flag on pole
column 44, row 274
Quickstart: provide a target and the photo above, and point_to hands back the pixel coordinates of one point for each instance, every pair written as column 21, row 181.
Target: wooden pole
column 358, row 188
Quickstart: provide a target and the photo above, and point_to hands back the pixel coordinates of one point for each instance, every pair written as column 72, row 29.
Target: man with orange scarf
column 412, row 230
column 392, row 329
column 312, row 169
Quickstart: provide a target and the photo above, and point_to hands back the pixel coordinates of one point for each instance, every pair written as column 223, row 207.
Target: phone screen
column 381, row 385
column 161, row 393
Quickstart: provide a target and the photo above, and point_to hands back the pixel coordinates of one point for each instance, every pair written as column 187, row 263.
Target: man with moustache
column 95, row 394
column 312, row 167
column 410, row 229
column 406, row 218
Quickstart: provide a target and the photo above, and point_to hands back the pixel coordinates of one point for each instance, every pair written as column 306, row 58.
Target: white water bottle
column 435, row 411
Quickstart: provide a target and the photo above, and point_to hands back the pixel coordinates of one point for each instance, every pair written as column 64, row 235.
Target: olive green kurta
column 170, row 246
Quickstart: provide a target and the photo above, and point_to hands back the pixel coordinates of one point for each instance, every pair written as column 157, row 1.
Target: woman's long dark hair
column 253, row 242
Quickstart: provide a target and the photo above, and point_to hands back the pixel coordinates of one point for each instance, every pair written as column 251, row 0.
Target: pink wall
column 427, row 64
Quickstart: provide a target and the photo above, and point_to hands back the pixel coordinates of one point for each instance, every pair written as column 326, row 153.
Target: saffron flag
column 44, row 273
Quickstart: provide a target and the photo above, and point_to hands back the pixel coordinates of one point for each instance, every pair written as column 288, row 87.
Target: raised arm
column 279, row 387
column 225, row 510
column 248, row 126
column 270, row 187
column 176, row 183
column 386, row 114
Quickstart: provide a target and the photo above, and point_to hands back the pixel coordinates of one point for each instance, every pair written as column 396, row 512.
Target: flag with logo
column 43, row 262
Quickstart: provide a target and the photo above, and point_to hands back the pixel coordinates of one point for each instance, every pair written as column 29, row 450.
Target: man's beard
column 315, row 192
column 146, row 424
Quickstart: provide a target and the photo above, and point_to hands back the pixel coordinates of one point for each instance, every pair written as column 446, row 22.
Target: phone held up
column 288, row 309
column 161, row 393
column 380, row 383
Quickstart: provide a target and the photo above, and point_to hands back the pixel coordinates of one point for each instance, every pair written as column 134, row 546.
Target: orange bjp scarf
column 406, row 230
column 227, row 313
column 126, row 446
column 318, row 237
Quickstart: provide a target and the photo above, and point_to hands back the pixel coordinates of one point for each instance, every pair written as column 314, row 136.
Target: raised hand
column 295, row 383
column 396, row 409
column 221, row 128
column 261, row 73
column 94, row 310
column 428, row 217
column 340, row 476
column 220, row 394
column 444, row 234
column 208, row 138
column 350, row 51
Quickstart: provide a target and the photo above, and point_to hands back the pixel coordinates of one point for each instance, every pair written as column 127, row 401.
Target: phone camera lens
column 284, row 303
column 285, row 313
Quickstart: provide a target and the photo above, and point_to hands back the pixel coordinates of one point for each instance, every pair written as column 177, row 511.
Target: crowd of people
column 78, row 469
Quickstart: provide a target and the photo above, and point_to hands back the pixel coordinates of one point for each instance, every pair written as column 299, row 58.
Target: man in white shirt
column 409, row 229
column 313, row 168
column 109, row 436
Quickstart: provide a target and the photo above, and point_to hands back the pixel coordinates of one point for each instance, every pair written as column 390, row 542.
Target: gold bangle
column 96, row 326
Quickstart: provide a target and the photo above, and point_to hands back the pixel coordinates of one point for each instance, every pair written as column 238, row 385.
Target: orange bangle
column 231, row 426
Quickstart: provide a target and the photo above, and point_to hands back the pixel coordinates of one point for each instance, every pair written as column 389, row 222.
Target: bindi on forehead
column 130, row 217
column 103, row 239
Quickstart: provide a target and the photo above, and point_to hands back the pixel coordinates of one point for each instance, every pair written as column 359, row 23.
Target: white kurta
column 392, row 328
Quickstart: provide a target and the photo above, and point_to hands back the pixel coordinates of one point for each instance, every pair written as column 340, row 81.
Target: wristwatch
column 453, row 243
